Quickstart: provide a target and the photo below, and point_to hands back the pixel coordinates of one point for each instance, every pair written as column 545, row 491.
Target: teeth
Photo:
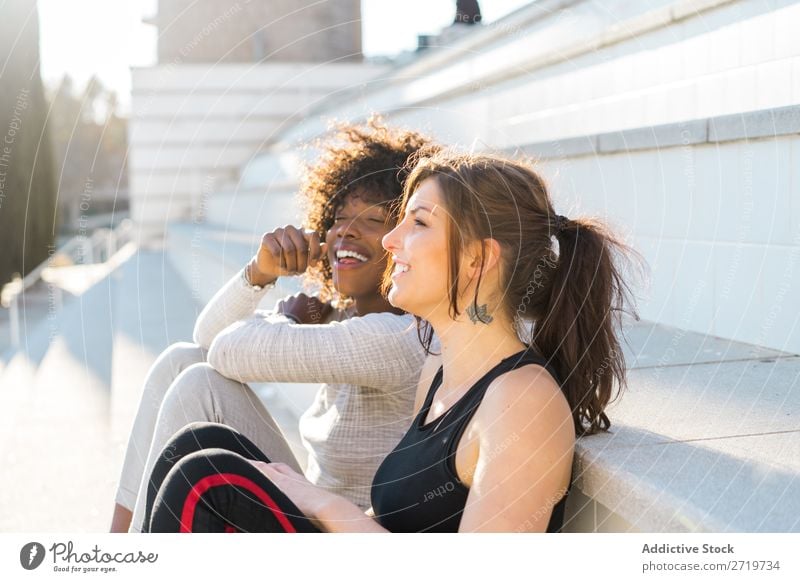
column 353, row 254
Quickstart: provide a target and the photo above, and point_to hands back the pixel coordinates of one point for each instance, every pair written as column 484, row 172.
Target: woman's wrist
column 337, row 514
column 256, row 277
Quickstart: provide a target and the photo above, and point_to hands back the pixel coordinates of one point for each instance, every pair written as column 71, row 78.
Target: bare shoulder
column 523, row 422
column 529, row 393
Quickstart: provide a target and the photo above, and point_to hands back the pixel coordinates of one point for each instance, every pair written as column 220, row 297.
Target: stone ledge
column 680, row 486
column 663, row 136
column 564, row 148
column 755, row 124
column 759, row 124
column 705, row 440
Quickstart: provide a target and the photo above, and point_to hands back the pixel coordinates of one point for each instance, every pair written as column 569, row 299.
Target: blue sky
column 72, row 42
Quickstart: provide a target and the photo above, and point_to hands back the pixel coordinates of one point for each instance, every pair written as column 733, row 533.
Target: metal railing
column 79, row 250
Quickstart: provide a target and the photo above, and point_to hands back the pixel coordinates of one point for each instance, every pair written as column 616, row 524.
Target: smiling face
column 354, row 247
column 418, row 245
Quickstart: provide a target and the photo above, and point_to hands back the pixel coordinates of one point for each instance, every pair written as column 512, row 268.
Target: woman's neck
column 469, row 350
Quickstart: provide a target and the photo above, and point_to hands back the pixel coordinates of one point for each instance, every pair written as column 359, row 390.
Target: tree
column 90, row 144
column 27, row 187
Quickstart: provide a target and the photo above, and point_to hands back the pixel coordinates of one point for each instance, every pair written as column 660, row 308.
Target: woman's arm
column 236, row 300
column 526, row 441
column 340, row 515
column 284, row 251
column 379, row 350
column 329, row 512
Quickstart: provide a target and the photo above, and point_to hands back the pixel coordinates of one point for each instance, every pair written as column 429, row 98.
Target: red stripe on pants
column 206, row 483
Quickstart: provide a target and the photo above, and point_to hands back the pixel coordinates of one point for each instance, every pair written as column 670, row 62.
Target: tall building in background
column 202, row 31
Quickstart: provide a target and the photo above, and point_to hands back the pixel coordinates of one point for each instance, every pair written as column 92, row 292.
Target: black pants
column 202, row 482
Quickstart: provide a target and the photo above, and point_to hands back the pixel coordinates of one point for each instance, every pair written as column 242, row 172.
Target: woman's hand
column 304, row 309
column 284, row 251
column 328, row 511
column 308, row 498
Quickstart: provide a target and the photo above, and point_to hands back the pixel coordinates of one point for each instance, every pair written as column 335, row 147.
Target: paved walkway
column 62, row 444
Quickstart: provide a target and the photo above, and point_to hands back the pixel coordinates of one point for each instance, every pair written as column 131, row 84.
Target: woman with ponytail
column 525, row 304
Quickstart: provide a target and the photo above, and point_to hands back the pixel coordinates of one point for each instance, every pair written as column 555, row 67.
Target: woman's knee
column 167, row 504
column 187, row 399
column 209, row 461
column 252, row 502
column 198, row 394
column 171, row 362
column 203, row 376
column 197, row 436
column 161, row 375
column 193, row 437
column 180, row 355
column 201, row 384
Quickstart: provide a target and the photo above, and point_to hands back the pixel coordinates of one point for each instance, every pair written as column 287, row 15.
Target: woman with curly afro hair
column 361, row 171
column 343, row 334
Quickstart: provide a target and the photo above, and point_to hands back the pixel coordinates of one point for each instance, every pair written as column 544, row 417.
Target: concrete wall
column 719, row 224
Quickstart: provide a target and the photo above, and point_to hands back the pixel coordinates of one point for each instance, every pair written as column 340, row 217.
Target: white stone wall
column 719, row 225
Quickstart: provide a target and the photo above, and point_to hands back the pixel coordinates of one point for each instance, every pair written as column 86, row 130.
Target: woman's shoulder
column 527, row 392
column 531, row 380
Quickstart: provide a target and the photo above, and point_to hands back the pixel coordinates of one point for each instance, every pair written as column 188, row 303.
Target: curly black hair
column 371, row 159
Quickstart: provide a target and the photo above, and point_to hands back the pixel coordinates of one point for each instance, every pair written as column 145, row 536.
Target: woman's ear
column 492, row 253
column 486, row 250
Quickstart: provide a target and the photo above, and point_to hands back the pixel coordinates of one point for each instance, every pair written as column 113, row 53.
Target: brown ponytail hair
column 574, row 297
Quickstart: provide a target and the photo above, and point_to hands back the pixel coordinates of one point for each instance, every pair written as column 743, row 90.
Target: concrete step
column 63, row 446
column 706, row 438
column 54, row 447
column 36, row 305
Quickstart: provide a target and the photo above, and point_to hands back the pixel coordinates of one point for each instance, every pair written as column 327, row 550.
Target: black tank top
column 416, row 488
